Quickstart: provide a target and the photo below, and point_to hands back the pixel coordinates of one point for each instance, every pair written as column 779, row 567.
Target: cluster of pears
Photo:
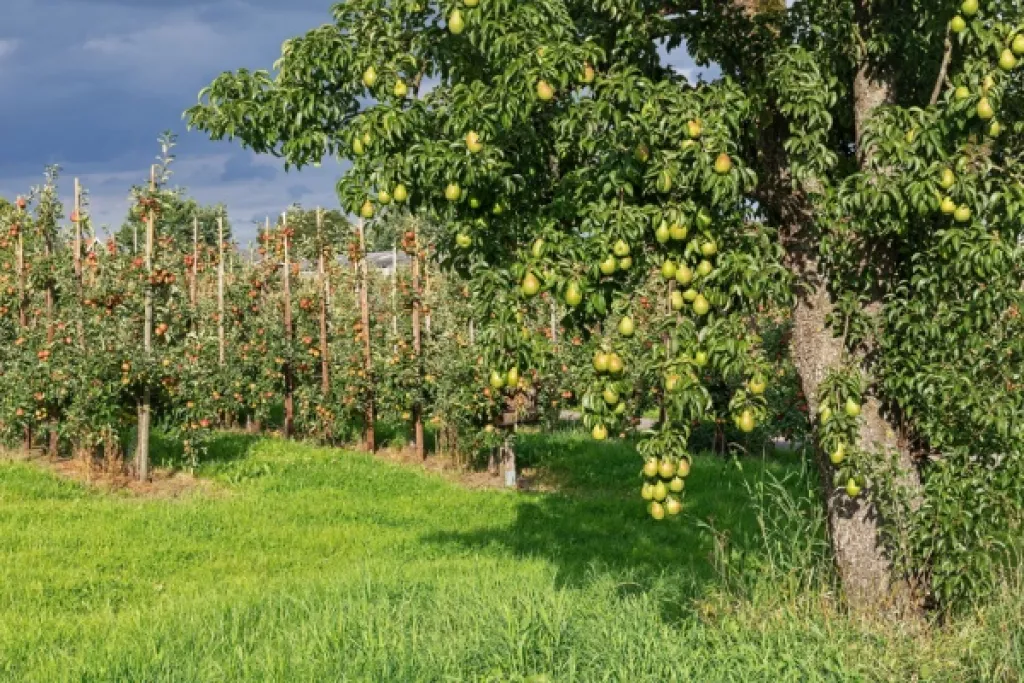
column 664, row 480
column 745, row 420
column 371, row 78
column 545, row 91
column 1008, row 56
column 968, row 9
column 852, row 409
column 618, row 259
column 851, row 482
column 673, row 268
column 530, row 286
column 609, row 364
column 399, row 194
column 722, row 166
column 1008, row 59
column 854, row 482
column 500, row 380
column 961, row 213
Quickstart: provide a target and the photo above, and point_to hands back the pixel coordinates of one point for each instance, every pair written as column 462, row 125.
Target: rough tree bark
column 864, row 564
column 854, row 525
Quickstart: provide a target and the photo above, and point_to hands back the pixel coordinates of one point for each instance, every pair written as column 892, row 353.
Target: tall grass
column 317, row 565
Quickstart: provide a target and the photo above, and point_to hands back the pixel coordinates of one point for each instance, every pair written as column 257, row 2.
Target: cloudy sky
column 91, row 84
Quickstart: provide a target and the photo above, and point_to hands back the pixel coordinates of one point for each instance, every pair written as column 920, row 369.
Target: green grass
column 319, row 565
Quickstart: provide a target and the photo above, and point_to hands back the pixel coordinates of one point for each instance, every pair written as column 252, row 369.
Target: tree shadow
column 226, row 447
column 166, row 450
column 598, row 524
column 399, row 434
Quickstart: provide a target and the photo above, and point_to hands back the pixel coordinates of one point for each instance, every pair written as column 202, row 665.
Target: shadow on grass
column 399, row 434
column 223, row 447
column 599, row 523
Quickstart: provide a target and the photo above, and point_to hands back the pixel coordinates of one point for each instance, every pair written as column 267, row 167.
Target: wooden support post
column 394, row 291
column 266, row 239
column 221, row 348
column 19, row 265
column 508, row 464
column 289, row 380
column 325, row 293
column 417, row 341
column 194, row 285
column 51, row 295
column 77, row 258
column 426, row 288
column 145, row 407
column 364, row 306
column 554, row 321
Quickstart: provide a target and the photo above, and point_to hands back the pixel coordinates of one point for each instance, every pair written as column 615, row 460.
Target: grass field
column 308, row 564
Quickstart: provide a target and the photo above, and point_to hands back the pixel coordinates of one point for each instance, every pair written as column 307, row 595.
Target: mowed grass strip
column 318, row 565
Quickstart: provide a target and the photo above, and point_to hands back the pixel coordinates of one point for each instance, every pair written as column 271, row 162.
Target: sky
column 91, row 84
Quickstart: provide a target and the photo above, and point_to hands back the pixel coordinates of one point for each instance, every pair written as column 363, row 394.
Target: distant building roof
column 381, row 260
column 385, row 259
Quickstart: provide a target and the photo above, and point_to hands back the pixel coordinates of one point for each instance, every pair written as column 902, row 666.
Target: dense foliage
column 554, row 162
column 924, row 242
column 560, row 155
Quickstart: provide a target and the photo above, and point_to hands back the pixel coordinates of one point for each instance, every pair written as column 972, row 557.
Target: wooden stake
column 77, row 262
column 49, row 247
column 78, row 232
column 426, row 288
column 220, row 289
column 194, row 289
column 394, row 290
column 364, row 305
column 289, row 381
column 19, row 264
column 145, row 408
column 325, row 368
column 417, row 341
column 554, row 322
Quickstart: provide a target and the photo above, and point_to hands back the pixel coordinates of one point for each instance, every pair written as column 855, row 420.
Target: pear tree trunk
column 855, row 526
column 863, row 563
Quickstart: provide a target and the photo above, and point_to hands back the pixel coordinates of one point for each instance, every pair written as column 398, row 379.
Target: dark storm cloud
column 90, row 84
column 242, row 167
column 297, row 192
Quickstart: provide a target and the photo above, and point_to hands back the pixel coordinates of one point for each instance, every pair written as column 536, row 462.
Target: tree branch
column 943, row 70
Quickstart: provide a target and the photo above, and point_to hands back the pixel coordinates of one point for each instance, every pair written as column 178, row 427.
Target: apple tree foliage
column 559, row 156
column 71, row 362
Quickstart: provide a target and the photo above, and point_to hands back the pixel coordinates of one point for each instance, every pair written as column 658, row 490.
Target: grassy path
column 319, row 565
